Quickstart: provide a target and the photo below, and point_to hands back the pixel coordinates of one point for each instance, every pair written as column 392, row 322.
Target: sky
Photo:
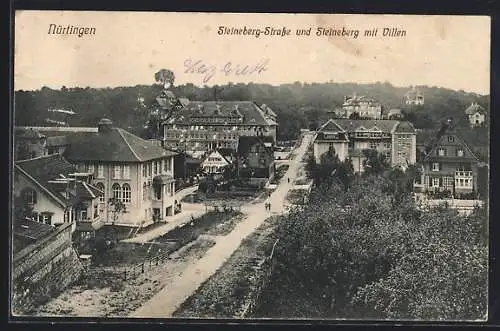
column 129, row 47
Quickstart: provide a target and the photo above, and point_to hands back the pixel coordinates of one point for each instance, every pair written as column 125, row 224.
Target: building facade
column 414, row 97
column 255, row 158
column 450, row 165
column 54, row 192
column 476, row 114
column 363, row 106
column 217, row 161
column 396, row 140
column 200, row 127
column 129, row 169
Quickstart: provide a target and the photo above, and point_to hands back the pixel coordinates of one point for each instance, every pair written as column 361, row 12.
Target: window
column 451, row 139
column 117, row 192
column 100, row 171
column 460, row 152
column 91, row 168
column 435, row 182
column 441, row 152
column 150, row 169
column 29, row 195
column 100, row 186
column 373, row 144
column 435, row 166
column 96, row 211
column 448, row 182
column 166, row 165
column 126, row 193
column 47, row 218
column 144, row 191
column 144, row 170
column 126, row 172
column 116, row 172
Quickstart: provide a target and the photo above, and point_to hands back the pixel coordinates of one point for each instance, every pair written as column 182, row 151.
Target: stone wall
column 42, row 270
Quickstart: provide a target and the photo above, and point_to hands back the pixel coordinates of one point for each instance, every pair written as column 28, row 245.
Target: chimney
column 104, row 125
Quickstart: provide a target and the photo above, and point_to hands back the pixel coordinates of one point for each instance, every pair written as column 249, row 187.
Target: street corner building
column 396, row 140
column 129, row 169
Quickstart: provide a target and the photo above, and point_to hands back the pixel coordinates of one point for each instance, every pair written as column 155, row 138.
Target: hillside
column 297, row 105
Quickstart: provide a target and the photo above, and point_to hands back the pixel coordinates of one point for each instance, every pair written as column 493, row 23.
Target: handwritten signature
column 208, row 71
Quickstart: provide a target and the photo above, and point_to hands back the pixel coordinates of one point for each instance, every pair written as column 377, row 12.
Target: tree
column 166, row 77
column 374, row 162
column 117, row 208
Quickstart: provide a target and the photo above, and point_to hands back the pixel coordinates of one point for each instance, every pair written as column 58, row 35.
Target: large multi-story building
column 348, row 138
column 200, row 127
column 363, row 106
column 449, row 164
column 127, row 168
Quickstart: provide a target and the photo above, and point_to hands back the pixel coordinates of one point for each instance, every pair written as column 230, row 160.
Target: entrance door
column 156, row 214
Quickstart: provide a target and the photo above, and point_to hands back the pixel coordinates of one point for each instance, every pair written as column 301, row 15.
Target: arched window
column 117, row 192
column 126, row 193
column 100, row 186
column 144, row 191
column 29, row 195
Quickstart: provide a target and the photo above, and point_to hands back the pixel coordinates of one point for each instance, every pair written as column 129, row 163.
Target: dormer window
column 460, row 152
column 441, row 152
column 451, row 139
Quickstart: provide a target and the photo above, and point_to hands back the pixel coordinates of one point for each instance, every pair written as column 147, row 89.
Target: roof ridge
column 120, row 131
column 88, row 189
column 39, row 158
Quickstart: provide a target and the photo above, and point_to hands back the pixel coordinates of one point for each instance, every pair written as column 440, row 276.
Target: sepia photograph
column 250, row 166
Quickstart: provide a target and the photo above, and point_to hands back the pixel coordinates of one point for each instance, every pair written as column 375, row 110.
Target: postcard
column 250, row 166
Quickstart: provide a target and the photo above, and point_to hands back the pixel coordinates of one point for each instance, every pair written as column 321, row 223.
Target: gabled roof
column 474, row 108
column 246, row 142
column 44, row 169
column 387, row 126
column 115, row 145
column 223, row 152
column 330, row 126
column 443, row 141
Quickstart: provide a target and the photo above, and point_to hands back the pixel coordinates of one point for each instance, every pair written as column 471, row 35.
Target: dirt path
column 168, row 300
column 123, row 297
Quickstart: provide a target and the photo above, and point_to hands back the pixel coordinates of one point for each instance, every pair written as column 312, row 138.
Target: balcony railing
column 463, row 174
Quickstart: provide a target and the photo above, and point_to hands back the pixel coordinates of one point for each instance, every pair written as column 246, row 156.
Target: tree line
column 363, row 248
column 298, row 105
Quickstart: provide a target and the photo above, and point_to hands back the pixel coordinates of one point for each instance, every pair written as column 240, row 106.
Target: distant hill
column 297, row 105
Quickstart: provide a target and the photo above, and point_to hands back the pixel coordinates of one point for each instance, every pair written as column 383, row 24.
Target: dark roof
column 87, row 191
column 444, row 142
column 28, row 133
column 387, row 126
column 246, row 142
column 226, row 151
column 32, row 230
column 46, row 168
column 250, row 112
column 474, row 108
column 330, row 126
column 354, row 100
column 114, row 145
column 57, row 141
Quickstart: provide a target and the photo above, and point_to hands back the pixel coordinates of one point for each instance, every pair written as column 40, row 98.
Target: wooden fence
column 262, row 280
column 131, row 272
